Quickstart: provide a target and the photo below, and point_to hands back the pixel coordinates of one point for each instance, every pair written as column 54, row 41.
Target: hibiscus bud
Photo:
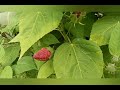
column 43, row 54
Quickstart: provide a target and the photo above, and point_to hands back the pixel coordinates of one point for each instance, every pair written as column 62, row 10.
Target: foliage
column 83, row 44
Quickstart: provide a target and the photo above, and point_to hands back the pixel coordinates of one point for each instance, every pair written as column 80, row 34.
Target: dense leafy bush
column 59, row 45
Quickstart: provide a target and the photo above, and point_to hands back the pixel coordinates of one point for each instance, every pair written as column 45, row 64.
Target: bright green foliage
column 79, row 59
column 46, row 69
column 81, row 47
column 11, row 53
column 6, row 72
column 24, row 64
column 102, row 29
column 35, row 24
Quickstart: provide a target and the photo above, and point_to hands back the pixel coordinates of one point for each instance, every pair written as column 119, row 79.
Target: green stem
column 68, row 39
column 65, row 36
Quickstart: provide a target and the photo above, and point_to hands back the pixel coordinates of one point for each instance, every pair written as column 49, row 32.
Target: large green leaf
column 114, row 43
column 34, row 25
column 46, row 69
column 11, row 53
column 102, row 29
column 79, row 59
column 24, row 64
column 6, row 72
column 2, row 51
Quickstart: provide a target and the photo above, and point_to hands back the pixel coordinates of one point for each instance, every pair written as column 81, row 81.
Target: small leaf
column 48, row 40
column 6, row 72
column 46, row 70
column 24, row 64
column 36, row 46
column 11, row 53
column 39, row 63
column 79, row 59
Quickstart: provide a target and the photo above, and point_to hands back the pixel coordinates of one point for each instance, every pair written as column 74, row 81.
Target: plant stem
column 63, row 35
column 66, row 36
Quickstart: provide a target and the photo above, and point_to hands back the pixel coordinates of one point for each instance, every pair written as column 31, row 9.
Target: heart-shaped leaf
column 79, row 59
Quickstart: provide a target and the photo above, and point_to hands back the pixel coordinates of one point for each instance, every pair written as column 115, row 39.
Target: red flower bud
column 43, row 55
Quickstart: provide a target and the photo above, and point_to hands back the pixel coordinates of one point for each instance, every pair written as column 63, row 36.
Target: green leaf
column 24, row 64
column 46, row 69
column 34, row 25
column 6, row 72
column 76, row 29
column 39, row 64
column 2, row 51
column 114, row 42
column 11, row 53
column 79, row 59
column 36, row 46
column 48, row 40
column 102, row 29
